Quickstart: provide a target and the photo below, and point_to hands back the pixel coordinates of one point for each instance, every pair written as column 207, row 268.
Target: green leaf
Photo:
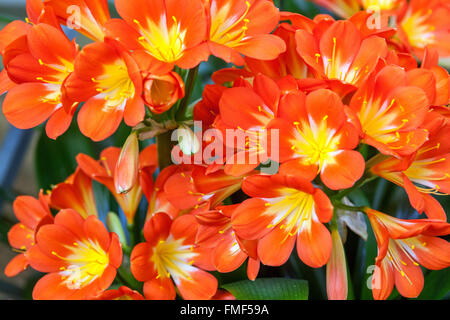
column 269, row 289
column 55, row 159
column 436, row 285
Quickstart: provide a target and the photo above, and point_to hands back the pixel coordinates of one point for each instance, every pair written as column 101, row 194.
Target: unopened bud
column 126, row 173
column 114, row 225
column 187, row 140
column 337, row 286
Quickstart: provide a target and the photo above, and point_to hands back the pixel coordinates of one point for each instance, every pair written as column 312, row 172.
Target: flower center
column 291, row 211
column 87, row 262
column 162, row 42
column 419, row 33
column 115, row 85
column 228, row 30
column 315, row 144
column 172, row 258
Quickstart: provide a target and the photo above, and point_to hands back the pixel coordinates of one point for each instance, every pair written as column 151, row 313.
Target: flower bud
column 126, row 173
column 337, row 288
column 114, row 225
column 187, row 140
column 162, row 92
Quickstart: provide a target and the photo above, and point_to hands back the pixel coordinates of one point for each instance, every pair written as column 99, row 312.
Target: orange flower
column 155, row 194
column 170, row 258
column 439, row 93
column 316, row 137
column 424, row 173
column 108, row 79
column 283, row 210
column 80, row 257
column 390, row 112
column 229, row 251
column 425, row 24
column 248, row 111
column 402, row 246
column 86, row 16
column 341, row 54
column 162, row 92
column 40, row 63
column 103, row 171
column 75, row 193
column 337, row 287
column 384, row 6
column 123, row 293
column 289, row 62
column 195, row 187
column 32, row 214
column 162, row 33
column 243, row 27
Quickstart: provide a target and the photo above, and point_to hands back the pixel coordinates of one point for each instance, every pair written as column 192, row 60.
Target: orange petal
column 314, row 244
column 347, row 168
column 201, row 286
column 98, row 122
column 159, row 289
column 27, row 105
column 18, row 264
column 275, row 248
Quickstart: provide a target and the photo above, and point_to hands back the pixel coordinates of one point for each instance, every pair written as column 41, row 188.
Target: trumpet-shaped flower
column 229, row 251
column 390, row 112
column 341, row 54
column 403, row 245
column 80, row 257
column 425, row 24
column 284, row 210
column 108, row 79
column 170, row 258
column 75, row 193
column 243, row 27
column 423, row 174
column 32, row 214
column 316, row 137
column 162, row 33
column 39, row 62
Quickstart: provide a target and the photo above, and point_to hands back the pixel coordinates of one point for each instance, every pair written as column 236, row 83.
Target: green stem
column 342, row 206
column 367, row 177
column 190, row 84
column 165, row 145
column 127, row 279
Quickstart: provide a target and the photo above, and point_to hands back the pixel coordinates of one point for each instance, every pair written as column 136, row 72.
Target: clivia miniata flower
column 285, row 210
column 79, row 256
column 316, row 137
column 403, row 245
column 39, row 61
column 111, row 88
column 162, row 33
column 32, row 214
column 169, row 258
column 243, row 27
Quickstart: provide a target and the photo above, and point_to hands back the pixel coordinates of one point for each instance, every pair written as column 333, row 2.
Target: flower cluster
column 338, row 103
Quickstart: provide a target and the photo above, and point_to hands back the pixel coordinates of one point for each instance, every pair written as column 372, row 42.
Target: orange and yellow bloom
column 403, row 245
column 285, row 210
column 169, row 258
column 80, row 257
